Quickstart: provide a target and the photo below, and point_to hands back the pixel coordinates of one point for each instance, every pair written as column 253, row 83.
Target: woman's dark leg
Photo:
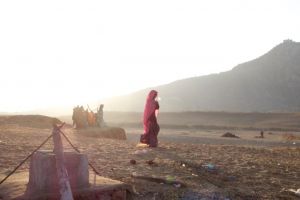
column 153, row 141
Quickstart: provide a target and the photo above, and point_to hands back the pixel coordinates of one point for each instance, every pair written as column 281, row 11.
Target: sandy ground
column 247, row 138
column 211, row 167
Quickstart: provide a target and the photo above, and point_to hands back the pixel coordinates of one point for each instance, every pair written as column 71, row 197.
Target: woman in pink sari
column 151, row 127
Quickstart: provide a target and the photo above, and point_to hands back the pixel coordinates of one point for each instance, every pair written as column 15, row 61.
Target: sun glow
column 60, row 53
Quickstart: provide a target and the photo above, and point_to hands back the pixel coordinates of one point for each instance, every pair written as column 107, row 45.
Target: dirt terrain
column 207, row 165
column 210, row 120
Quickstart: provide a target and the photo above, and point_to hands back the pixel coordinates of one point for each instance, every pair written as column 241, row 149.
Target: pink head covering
column 150, row 106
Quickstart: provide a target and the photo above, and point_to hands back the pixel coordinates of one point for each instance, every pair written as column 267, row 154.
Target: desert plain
column 191, row 152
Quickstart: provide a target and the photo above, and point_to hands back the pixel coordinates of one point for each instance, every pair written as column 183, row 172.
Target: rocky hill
column 270, row 83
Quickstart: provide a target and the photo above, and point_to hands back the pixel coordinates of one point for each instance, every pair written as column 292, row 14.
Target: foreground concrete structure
column 43, row 176
column 99, row 188
column 43, row 181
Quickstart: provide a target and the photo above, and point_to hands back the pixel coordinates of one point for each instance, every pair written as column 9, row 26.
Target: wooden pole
column 62, row 174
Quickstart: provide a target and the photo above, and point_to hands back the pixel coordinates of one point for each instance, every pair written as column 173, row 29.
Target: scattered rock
column 132, row 161
column 150, row 162
column 231, row 135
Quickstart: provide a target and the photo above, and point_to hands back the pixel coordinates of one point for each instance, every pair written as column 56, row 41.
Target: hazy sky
column 60, row 52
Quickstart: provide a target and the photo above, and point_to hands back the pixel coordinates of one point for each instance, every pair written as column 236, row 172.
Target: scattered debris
column 292, row 192
column 296, row 192
column 231, row 178
column 170, row 180
column 210, row 167
column 184, row 161
column 202, row 195
column 138, row 152
column 150, row 162
column 228, row 134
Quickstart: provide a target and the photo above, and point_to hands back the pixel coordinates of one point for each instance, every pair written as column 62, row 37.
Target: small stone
column 132, row 161
column 150, row 162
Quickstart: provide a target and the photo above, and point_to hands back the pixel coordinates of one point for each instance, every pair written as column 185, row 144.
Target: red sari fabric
column 151, row 127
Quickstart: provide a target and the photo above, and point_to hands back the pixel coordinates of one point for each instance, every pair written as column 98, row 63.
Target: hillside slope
column 270, row 83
